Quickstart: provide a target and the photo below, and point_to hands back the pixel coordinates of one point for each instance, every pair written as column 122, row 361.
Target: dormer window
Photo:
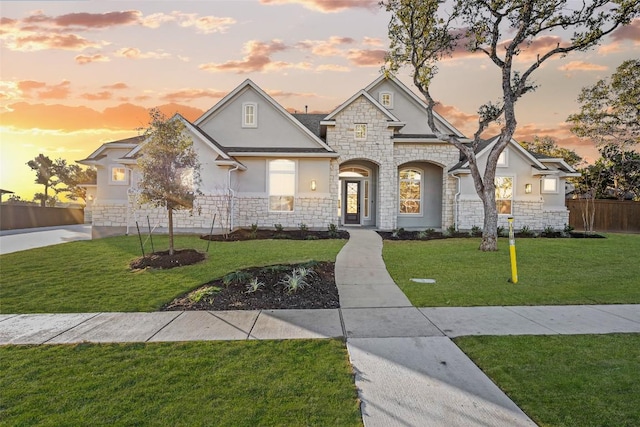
column 386, row 99
column 118, row 175
column 503, row 158
column 249, row 115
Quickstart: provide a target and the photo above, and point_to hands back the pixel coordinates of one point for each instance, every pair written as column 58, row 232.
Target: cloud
column 40, row 90
column 563, row 136
column 257, row 58
column 135, row 53
column 372, row 41
column 116, row 86
column 191, row 94
column 333, row 67
column 88, row 59
column 100, row 96
column 328, row 6
column 325, row 47
column 23, row 115
column 38, row 31
column 582, row 66
column 283, row 94
column 628, row 32
column 366, row 57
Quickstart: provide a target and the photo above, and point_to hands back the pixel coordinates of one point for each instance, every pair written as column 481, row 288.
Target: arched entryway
column 358, row 189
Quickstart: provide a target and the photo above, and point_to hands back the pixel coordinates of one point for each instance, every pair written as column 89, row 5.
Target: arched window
column 410, row 191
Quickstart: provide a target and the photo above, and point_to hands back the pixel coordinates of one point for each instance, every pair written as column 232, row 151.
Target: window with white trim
column 360, row 131
column 282, row 185
column 386, row 99
column 549, row 185
column 503, row 158
column 410, row 191
column 249, row 115
column 504, row 195
column 118, row 175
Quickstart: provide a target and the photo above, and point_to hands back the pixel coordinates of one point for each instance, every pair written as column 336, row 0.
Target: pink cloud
column 135, row 53
column 42, row 90
column 628, row 32
column 326, row 47
column 191, row 94
column 100, row 96
column 367, row 57
column 116, row 86
column 328, row 6
column 88, row 59
column 582, row 66
column 257, row 58
column 98, row 20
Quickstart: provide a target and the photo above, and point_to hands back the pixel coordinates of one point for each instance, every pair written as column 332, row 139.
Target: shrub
column 254, row 231
column 451, row 230
column 253, row 285
column 311, row 237
column 526, row 231
column 422, row 235
column 396, row 232
column 549, row 230
column 278, row 228
column 303, row 227
column 333, row 230
column 236, row 277
column 476, row 231
column 502, row 232
column 204, row 293
column 297, row 279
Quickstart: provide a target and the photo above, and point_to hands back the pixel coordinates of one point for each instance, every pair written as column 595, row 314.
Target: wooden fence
column 610, row 215
column 18, row 216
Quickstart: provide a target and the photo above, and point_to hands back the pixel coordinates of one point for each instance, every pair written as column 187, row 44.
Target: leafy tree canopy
column 616, row 174
column 610, row 109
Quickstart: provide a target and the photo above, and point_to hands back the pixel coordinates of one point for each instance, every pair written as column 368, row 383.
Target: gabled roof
column 537, row 160
column 416, row 99
column 127, row 143
column 250, row 84
column 373, row 101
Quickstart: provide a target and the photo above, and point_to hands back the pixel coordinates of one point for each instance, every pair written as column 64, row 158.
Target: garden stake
column 211, row 232
column 512, row 252
column 140, row 238
column 150, row 238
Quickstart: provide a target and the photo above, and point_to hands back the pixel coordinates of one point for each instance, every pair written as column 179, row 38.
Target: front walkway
column 408, row 371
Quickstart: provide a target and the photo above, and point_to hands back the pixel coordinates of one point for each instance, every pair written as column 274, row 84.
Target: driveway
column 29, row 238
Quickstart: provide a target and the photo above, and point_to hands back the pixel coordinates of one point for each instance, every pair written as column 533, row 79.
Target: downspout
column 456, row 202
column 129, row 192
column 233, row 197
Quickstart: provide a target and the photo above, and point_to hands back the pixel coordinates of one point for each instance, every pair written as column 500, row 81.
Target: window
column 504, row 194
column 550, row 185
column 386, row 99
column 118, row 175
column 360, row 131
column 503, row 158
column 187, row 178
column 410, row 191
column 250, row 115
column 282, row 185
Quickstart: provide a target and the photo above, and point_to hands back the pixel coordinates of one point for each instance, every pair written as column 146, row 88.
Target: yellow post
column 512, row 252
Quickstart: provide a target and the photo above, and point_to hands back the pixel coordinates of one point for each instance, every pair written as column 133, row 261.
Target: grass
column 93, row 276
column 580, row 380
column 550, row 271
column 267, row 383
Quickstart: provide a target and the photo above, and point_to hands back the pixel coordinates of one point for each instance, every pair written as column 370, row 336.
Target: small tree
column 422, row 32
column 610, row 109
column 617, row 172
column 169, row 167
column 74, row 177
column 48, row 174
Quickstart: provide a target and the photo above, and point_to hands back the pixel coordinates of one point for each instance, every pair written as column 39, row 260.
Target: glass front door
column 352, row 202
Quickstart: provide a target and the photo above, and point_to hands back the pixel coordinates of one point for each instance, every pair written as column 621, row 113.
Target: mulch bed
column 163, row 260
column 417, row 235
column 320, row 292
column 244, row 234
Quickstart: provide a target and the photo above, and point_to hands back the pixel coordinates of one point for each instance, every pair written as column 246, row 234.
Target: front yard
column 550, row 271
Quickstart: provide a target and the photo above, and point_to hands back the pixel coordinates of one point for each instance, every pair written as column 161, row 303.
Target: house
column 373, row 161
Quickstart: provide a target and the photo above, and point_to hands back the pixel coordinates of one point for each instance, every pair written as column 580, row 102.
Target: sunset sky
column 76, row 74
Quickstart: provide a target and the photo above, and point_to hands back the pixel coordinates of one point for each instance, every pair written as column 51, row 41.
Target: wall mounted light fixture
column 313, row 185
column 527, row 188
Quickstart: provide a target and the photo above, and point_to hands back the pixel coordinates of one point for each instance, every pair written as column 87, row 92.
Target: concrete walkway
column 408, row 371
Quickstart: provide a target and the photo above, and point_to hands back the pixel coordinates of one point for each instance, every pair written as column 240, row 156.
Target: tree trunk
column 490, row 227
column 170, row 212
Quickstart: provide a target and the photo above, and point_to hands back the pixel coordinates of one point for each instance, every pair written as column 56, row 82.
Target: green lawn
column 550, row 271
column 249, row 383
column 92, row 276
column 580, row 380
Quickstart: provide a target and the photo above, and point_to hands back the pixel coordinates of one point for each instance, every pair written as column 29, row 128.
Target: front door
column 352, row 202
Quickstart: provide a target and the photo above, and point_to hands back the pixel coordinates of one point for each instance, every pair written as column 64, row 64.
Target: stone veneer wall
column 443, row 154
column 525, row 213
column 377, row 148
column 317, row 211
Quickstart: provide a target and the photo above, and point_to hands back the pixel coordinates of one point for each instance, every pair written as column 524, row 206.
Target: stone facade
column 531, row 214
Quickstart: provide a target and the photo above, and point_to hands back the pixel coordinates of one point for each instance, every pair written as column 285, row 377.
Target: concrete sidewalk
column 407, row 370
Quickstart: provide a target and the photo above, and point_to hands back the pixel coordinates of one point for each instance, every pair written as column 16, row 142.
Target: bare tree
column 423, row 32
